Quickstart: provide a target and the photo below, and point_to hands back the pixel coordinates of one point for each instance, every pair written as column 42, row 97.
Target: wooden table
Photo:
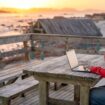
column 58, row 70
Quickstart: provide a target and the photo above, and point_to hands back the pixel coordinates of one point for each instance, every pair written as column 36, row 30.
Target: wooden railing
column 53, row 44
column 15, row 39
column 59, row 44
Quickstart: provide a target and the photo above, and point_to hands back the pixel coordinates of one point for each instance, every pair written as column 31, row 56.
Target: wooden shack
column 66, row 26
column 63, row 26
column 96, row 16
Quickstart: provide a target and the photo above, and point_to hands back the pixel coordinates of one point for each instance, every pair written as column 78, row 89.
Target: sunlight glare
column 26, row 4
column 59, row 4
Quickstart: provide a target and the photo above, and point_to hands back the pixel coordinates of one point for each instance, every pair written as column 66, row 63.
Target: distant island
column 96, row 16
column 9, row 10
column 32, row 10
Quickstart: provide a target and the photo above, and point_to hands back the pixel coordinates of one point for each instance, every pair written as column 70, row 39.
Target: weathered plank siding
column 54, row 44
column 59, row 44
column 32, row 96
column 15, row 52
column 58, row 70
column 77, row 26
column 14, row 39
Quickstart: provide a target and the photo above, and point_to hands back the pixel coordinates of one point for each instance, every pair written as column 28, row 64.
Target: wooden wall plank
column 71, row 38
column 16, row 52
column 83, row 44
column 14, row 39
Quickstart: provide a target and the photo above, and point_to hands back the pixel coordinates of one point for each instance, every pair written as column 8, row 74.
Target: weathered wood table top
column 60, row 67
column 58, row 70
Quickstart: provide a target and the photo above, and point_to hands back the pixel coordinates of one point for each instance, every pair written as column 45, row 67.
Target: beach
column 15, row 24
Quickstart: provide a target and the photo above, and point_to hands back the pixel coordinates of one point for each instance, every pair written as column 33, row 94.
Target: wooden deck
column 58, row 70
column 32, row 97
column 84, row 44
column 65, row 93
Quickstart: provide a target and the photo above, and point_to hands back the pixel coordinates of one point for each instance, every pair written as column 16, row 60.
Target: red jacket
column 98, row 70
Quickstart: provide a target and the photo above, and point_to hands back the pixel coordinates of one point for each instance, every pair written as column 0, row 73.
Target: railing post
column 66, row 45
column 32, row 52
column 2, row 64
column 25, row 43
column 32, row 45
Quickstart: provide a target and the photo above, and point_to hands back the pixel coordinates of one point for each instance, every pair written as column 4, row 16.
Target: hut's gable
column 69, row 26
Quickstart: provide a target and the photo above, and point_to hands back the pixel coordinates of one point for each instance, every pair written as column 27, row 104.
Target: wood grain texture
column 16, row 71
column 60, row 67
column 59, row 43
column 72, row 26
column 43, row 92
column 7, row 93
column 58, row 70
column 84, row 95
column 13, row 39
column 15, row 52
column 82, row 44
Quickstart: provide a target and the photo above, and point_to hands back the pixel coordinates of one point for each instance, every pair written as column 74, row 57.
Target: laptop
column 73, row 61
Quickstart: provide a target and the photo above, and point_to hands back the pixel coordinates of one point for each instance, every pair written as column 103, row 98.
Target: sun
column 27, row 4
column 23, row 6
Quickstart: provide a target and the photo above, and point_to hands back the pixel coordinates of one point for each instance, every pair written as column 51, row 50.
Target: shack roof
column 70, row 26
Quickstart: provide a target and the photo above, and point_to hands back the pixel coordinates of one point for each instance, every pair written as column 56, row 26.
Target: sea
column 15, row 24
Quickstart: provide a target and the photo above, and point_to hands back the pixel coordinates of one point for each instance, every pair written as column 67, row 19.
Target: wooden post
column 66, row 45
column 43, row 92
column 32, row 55
column 4, row 101
column 32, row 44
column 77, row 94
column 1, row 62
column 2, row 84
column 26, row 53
column 84, row 95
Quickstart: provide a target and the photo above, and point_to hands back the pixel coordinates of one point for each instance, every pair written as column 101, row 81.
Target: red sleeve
column 98, row 70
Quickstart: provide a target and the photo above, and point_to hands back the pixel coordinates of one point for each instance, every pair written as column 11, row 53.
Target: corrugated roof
column 70, row 26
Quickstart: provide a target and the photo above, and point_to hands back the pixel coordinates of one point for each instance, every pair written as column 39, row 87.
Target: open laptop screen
column 72, row 58
column 74, row 65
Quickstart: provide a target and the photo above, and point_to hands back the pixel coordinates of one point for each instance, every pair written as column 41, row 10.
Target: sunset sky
column 77, row 4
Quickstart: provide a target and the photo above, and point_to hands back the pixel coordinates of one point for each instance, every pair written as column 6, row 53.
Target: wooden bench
column 9, row 92
column 11, row 74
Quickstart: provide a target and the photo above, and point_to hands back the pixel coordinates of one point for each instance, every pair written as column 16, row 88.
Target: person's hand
column 87, row 68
